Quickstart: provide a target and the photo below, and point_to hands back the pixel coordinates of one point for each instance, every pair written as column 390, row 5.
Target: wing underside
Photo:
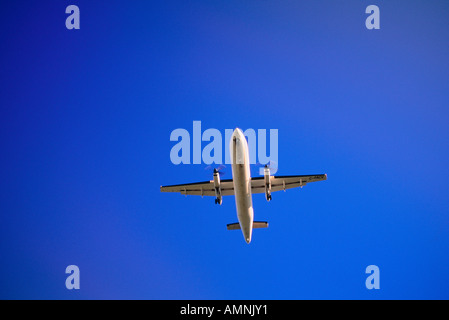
column 205, row 188
column 278, row 183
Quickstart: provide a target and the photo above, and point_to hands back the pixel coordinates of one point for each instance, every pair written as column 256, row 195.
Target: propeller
column 272, row 165
column 219, row 169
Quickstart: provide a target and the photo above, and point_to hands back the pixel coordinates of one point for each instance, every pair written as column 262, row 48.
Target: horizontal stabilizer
column 256, row 225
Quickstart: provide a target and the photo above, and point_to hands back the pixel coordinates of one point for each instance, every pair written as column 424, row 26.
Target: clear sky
column 85, row 123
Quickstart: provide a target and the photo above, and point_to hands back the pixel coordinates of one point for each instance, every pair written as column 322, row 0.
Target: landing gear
column 218, row 201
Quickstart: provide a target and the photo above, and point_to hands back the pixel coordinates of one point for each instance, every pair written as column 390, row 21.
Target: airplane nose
column 248, row 240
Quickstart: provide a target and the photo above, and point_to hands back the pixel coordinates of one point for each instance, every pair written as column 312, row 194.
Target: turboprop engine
column 218, row 199
column 267, row 183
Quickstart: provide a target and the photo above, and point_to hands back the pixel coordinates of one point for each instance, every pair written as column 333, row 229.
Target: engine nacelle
column 218, row 199
column 267, row 180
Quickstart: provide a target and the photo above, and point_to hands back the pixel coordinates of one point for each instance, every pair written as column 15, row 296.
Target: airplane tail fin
column 256, row 225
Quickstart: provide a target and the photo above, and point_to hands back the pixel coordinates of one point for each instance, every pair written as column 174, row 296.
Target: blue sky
column 85, row 122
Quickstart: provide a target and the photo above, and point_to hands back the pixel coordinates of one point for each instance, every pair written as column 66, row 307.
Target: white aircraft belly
column 242, row 184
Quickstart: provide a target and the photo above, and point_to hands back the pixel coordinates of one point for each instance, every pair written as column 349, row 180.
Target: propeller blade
column 218, row 170
column 271, row 164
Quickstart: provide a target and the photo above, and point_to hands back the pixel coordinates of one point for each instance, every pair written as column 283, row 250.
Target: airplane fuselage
column 241, row 176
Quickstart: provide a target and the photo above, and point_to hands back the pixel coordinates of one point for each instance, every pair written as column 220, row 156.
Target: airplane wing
column 284, row 182
column 205, row 188
column 278, row 183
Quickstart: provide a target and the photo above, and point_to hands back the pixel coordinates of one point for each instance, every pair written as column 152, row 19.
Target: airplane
column 242, row 186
